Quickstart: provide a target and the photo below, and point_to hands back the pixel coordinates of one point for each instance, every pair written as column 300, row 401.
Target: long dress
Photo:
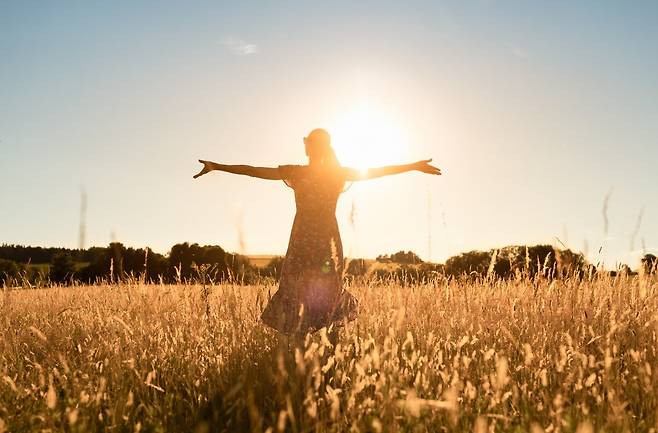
column 311, row 293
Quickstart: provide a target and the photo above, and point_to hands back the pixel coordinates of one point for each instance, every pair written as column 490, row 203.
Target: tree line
column 28, row 266
column 23, row 265
column 513, row 261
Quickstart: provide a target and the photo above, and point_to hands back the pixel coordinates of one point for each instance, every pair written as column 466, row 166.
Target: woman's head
column 318, row 148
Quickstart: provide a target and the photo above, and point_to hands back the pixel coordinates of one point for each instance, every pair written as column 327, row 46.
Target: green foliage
column 401, row 257
column 41, row 255
column 517, row 260
column 273, row 268
column 63, row 268
column 650, row 264
column 408, row 275
column 468, row 263
column 223, row 266
column 116, row 263
column 357, row 267
column 10, row 272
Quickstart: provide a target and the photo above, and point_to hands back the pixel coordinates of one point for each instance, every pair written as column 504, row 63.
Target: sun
column 365, row 137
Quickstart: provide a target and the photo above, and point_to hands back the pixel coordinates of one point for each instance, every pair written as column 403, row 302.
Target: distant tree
column 517, row 260
column 505, row 262
column 624, row 269
column 112, row 263
column 117, row 251
column 214, row 254
column 650, row 264
column 35, row 255
column 181, row 257
column 239, row 269
column 98, row 267
column 407, row 275
column 431, row 271
column 401, row 257
column 472, row 262
column 157, row 267
column 357, row 268
column 530, row 260
column 10, row 272
column 540, row 259
column 383, row 258
column 273, row 268
column 222, row 265
column 407, row 258
column 62, row 268
column 117, row 262
column 570, row 264
column 92, row 254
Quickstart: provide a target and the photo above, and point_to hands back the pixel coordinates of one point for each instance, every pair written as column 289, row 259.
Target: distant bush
column 650, row 264
column 401, row 257
column 273, row 268
column 516, row 260
column 63, row 268
column 10, row 272
column 191, row 262
column 472, row 262
column 357, row 267
column 407, row 275
column 116, row 263
column 622, row 270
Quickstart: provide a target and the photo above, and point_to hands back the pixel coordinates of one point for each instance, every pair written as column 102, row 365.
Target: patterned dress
column 311, row 293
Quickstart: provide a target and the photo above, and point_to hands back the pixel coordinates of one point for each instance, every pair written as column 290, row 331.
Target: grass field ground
column 521, row 356
column 261, row 260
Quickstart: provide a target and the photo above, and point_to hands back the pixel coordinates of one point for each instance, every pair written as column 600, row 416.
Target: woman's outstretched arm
column 247, row 170
column 352, row 174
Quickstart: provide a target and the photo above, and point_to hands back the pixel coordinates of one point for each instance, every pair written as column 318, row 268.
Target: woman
column 311, row 294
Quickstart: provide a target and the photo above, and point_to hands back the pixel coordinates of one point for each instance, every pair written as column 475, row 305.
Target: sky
column 540, row 115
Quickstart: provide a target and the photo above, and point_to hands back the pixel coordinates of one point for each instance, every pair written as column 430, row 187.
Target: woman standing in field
column 311, row 294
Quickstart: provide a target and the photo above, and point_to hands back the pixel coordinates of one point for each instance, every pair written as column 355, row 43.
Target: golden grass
column 522, row 356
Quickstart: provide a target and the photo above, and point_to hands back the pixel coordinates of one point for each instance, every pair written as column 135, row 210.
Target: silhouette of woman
column 311, row 294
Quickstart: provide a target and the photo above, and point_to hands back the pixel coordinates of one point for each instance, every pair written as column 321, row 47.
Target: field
column 521, row 356
column 260, row 261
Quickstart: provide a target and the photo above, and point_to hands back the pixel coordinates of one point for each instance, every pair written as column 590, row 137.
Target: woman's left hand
column 424, row 166
column 207, row 168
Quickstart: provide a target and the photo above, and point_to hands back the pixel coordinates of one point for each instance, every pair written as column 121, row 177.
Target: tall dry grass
column 532, row 356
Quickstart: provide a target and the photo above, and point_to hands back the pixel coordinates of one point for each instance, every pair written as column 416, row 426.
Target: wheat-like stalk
column 445, row 355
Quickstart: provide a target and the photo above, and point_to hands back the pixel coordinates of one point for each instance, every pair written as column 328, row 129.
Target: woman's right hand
column 425, row 167
column 207, row 168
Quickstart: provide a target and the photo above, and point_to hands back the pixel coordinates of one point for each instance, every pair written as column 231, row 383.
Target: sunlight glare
column 365, row 137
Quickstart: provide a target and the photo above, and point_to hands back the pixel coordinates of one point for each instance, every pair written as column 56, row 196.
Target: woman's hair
column 320, row 140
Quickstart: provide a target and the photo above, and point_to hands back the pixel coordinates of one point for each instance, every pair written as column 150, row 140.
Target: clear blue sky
column 534, row 111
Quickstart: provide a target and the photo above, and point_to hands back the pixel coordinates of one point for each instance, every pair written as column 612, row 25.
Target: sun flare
column 365, row 137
